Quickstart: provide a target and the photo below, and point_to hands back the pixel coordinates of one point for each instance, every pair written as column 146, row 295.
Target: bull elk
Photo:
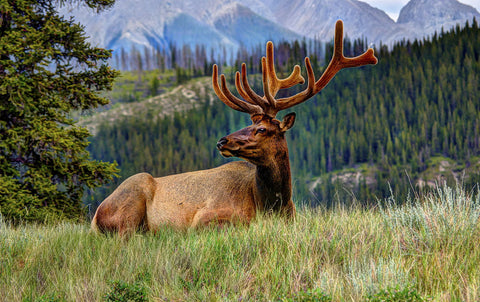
column 233, row 192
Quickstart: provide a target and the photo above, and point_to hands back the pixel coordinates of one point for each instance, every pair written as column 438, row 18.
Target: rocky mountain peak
column 216, row 24
column 429, row 13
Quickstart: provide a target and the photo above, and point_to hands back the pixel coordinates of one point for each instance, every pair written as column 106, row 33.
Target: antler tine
column 271, row 81
column 338, row 62
column 229, row 99
column 246, row 92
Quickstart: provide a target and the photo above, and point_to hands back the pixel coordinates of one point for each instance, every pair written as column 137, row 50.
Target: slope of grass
column 179, row 98
column 425, row 250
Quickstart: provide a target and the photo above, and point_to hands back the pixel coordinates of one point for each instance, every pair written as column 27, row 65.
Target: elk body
column 233, row 192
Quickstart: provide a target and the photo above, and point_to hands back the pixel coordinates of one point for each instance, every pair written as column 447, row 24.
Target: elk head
column 261, row 142
column 254, row 143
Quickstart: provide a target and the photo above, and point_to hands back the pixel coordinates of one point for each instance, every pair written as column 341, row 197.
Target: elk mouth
column 222, row 146
column 226, row 152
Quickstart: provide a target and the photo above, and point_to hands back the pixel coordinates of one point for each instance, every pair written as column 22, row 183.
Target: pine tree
column 48, row 71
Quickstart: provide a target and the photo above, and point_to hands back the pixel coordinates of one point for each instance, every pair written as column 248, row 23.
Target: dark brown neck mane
column 274, row 184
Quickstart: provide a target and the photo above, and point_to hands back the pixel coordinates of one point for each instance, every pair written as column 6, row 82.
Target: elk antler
column 268, row 105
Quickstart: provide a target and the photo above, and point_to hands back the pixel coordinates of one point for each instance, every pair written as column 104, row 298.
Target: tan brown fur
column 234, row 192
column 183, row 200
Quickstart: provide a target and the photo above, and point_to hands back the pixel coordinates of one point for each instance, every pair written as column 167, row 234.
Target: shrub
column 407, row 294
column 124, row 292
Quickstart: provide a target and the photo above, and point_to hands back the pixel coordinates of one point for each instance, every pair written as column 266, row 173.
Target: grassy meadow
column 427, row 249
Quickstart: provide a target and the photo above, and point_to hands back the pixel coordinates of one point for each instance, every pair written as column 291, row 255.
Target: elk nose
column 221, row 142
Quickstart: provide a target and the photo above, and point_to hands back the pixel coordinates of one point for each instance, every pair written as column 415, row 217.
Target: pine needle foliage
column 47, row 71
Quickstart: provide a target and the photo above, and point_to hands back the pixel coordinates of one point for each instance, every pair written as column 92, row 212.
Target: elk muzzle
column 235, row 143
column 221, row 146
column 221, row 142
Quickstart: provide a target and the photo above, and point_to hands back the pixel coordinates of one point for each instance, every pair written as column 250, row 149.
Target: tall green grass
column 426, row 249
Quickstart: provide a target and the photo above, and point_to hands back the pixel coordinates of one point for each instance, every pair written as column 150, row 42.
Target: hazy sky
column 393, row 7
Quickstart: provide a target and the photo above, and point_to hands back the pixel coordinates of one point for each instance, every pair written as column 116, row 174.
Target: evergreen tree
column 47, row 72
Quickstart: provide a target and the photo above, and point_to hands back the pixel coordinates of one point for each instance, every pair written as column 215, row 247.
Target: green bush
column 406, row 294
column 124, row 292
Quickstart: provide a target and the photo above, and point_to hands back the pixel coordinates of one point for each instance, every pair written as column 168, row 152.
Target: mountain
column 424, row 17
column 163, row 23
column 316, row 19
column 227, row 25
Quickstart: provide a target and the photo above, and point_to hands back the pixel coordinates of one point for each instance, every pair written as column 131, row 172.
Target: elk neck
column 273, row 180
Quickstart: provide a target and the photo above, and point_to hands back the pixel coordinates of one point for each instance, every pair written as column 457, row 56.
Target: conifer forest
column 397, row 128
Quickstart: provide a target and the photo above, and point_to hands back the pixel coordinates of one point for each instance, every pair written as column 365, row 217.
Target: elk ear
column 287, row 122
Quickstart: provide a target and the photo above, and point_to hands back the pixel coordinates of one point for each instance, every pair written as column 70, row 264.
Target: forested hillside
column 393, row 127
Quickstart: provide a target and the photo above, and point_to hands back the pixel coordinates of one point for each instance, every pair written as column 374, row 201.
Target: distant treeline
column 420, row 100
column 198, row 59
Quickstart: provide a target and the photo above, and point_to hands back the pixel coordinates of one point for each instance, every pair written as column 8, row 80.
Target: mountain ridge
column 423, row 18
column 231, row 24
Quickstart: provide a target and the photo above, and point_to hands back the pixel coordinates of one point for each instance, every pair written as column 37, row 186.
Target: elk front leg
column 289, row 210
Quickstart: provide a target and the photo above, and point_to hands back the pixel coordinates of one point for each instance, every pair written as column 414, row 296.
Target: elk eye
column 261, row 130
